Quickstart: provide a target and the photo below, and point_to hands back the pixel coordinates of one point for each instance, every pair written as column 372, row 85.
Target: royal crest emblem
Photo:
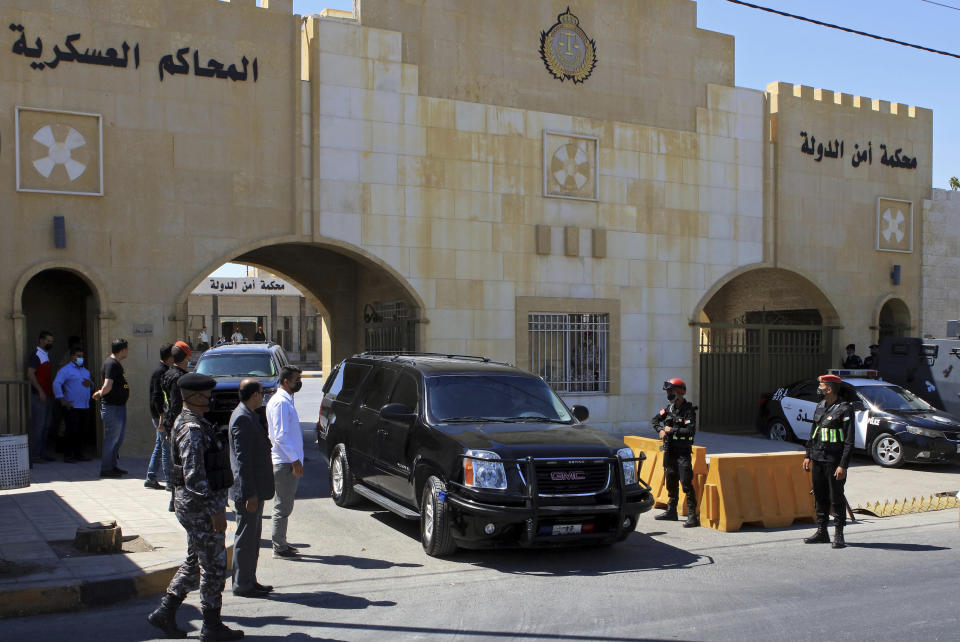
column 567, row 51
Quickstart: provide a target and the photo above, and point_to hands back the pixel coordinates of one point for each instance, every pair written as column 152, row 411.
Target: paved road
column 363, row 576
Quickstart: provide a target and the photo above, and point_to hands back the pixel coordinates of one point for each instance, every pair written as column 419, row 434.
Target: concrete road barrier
column 771, row 490
column 652, row 471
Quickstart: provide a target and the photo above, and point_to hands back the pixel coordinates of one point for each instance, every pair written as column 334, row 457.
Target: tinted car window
column 378, row 388
column 334, row 376
column 347, row 381
column 406, row 392
column 237, row 365
column 893, row 398
column 806, row 391
column 493, row 397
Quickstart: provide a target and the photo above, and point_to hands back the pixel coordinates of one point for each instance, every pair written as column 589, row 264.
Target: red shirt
column 40, row 362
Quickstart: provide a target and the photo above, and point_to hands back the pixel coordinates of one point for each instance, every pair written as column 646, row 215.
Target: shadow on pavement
column 321, row 600
column 356, row 562
column 639, row 552
column 897, row 546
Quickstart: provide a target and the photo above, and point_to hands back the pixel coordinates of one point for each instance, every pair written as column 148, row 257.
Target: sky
column 775, row 48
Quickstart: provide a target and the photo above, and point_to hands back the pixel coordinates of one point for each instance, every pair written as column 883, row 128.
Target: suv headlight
column 926, row 432
column 629, row 467
column 483, row 469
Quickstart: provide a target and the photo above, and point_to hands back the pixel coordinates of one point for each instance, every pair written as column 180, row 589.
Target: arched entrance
column 63, row 302
column 760, row 329
column 894, row 319
column 365, row 304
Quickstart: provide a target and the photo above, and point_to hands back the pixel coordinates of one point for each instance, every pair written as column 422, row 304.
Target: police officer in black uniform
column 201, row 478
column 828, row 454
column 676, row 424
column 173, row 403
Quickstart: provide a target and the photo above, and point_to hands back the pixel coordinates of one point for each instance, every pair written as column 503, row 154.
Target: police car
column 894, row 426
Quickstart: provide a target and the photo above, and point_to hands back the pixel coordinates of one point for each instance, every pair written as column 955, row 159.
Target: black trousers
column 74, row 421
column 828, row 492
column 678, row 471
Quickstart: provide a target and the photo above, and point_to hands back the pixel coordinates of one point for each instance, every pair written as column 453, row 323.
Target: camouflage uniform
column 196, row 500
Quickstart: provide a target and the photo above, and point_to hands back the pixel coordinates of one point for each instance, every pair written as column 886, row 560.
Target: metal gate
column 389, row 327
column 741, row 362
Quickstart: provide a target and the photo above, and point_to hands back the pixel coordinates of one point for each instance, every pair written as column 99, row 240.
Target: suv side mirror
column 398, row 412
column 581, row 413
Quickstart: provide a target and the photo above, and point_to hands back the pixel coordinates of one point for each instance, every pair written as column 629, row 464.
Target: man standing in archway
column 113, row 397
column 283, row 424
column 40, row 375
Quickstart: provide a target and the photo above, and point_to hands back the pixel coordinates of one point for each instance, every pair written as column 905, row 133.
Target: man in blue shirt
column 72, row 387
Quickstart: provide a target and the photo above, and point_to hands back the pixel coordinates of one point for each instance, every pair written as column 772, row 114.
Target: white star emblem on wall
column 893, row 227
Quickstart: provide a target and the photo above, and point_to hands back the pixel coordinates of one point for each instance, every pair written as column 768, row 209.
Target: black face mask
column 671, row 396
column 820, row 394
column 48, row 346
column 297, row 387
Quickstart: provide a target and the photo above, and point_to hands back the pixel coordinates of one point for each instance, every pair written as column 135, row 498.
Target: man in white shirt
column 237, row 336
column 286, row 440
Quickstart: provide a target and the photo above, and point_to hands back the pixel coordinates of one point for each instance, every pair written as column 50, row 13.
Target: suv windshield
column 893, row 398
column 236, row 365
column 493, row 397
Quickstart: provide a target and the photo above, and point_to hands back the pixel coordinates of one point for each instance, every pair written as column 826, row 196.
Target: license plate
column 567, row 529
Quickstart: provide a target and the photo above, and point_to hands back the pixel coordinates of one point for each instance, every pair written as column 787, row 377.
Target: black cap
column 851, row 347
column 194, row 382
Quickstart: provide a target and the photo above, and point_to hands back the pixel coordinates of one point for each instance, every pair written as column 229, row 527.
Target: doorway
column 62, row 302
column 894, row 319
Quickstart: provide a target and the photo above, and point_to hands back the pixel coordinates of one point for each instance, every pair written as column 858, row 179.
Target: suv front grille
column 576, row 477
column 224, row 401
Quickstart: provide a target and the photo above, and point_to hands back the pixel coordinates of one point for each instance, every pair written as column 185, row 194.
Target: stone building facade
column 582, row 191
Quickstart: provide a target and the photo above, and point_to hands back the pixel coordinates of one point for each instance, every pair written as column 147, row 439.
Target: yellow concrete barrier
column 652, row 471
column 771, row 490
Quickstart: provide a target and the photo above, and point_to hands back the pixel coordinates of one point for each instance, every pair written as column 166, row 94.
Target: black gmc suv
column 230, row 364
column 482, row 453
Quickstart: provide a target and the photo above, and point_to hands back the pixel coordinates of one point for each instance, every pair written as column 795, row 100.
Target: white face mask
column 79, row 362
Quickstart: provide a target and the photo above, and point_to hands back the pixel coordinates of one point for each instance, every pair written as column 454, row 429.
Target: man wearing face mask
column 283, row 425
column 201, row 480
column 676, row 425
column 72, row 387
column 828, row 454
column 41, row 397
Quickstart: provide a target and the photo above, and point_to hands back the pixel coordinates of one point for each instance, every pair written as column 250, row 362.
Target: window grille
column 570, row 351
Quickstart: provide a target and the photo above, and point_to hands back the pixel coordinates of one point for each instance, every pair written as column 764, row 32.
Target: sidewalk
column 35, row 579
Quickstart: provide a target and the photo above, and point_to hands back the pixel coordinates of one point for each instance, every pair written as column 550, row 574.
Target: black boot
column 692, row 520
column 670, row 514
column 838, row 541
column 165, row 617
column 820, row 537
column 214, row 629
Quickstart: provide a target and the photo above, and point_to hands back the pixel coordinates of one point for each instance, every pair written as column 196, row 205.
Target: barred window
column 570, row 351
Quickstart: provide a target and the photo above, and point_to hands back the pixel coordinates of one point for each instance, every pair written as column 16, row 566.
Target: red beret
column 183, row 346
column 830, row 378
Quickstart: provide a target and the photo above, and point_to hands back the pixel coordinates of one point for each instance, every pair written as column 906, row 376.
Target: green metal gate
column 741, row 362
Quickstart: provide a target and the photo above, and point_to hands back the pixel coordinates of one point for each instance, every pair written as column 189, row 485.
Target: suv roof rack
column 396, row 354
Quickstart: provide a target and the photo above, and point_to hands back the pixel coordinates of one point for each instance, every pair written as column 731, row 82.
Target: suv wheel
column 341, row 479
column 435, row 520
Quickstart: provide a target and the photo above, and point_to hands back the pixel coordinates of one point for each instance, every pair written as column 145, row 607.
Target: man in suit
column 252, row 487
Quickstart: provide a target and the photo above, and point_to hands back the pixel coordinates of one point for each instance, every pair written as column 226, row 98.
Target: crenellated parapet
column 782, row 91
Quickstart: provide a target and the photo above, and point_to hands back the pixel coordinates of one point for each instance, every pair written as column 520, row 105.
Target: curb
column 82, row 594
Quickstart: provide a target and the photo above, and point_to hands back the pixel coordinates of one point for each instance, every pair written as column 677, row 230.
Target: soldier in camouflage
column 201, row 479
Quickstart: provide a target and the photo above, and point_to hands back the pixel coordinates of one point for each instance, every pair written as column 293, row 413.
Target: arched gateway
column 366, row 304
column 759, row 329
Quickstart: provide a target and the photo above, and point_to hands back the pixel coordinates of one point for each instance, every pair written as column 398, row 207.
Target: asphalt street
column 364, row 576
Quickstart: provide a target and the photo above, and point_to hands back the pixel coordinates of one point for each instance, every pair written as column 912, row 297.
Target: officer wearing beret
column 676, row 424
column 828, row 454
column 201, row 478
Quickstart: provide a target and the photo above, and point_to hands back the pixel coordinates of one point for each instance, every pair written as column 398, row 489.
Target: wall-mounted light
column 895, row 275
column 59, row 233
